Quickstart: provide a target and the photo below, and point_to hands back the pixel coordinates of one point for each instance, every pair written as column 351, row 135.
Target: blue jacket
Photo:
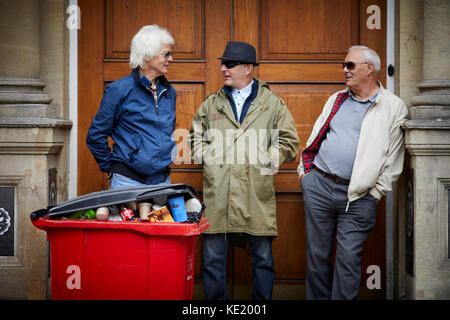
column 141, row 130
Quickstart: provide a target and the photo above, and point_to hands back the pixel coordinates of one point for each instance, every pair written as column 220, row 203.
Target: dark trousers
column 325, row 205
column 215, row 251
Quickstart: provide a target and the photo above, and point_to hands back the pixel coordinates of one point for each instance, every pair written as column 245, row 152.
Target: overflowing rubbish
column 174, row 211
column 166, row 203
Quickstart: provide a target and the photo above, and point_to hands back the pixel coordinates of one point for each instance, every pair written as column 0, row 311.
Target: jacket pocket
column 262, row 185
column 263, row 158
column 208, row 175
column 135, row 148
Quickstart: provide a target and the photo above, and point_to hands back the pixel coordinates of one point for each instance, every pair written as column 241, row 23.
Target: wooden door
column 300, row 44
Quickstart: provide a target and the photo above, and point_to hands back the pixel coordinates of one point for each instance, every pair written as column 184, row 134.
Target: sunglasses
column 167, row 54
column 351, row 65
column 230, row 64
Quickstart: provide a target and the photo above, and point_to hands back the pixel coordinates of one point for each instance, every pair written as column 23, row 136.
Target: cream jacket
column 380, row 152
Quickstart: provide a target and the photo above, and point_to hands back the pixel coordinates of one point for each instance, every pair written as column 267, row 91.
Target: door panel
column 125, row 17
column 302, row 101
column 300, row 44
column 308, row 29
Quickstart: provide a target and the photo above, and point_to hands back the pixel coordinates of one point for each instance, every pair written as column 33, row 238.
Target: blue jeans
column 119, row 181
column 215, row 251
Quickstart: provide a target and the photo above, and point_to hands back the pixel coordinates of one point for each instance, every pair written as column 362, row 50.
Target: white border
column 390, row 43
column 390, row 196
column 73, row 109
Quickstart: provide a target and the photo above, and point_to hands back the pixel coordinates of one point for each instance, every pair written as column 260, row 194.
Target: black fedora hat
column 241, row 52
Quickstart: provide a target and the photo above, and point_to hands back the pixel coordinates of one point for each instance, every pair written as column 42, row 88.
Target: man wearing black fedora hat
column 244, row 120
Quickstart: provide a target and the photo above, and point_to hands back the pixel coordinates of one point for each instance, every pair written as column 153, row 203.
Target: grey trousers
column 325, row 204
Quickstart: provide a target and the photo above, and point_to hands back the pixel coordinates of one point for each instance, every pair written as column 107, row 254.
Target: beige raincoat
column 240, row 160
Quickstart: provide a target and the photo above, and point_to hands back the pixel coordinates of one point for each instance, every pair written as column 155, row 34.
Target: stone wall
column 424, row 84
column 34, row 136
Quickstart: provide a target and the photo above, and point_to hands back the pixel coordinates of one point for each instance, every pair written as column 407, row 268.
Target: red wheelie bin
column 94, row 259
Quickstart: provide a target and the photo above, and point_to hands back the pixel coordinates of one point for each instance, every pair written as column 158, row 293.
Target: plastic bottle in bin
column 82, row 214
column 90, row 214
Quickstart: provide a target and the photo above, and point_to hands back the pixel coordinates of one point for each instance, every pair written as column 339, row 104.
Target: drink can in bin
column 178, row 209
column 127, row 214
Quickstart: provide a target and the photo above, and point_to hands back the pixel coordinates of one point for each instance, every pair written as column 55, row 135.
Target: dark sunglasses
column 167, row 54
column 230, row 64
column 351, row 65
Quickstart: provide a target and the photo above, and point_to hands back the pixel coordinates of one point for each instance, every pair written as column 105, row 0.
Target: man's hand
column 110, row 174
column 302, row 176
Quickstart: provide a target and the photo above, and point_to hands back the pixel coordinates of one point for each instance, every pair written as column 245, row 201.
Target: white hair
column 147, row 43
column 370, row 55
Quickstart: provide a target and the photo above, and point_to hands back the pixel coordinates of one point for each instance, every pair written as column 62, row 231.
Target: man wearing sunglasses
column 353, row 155
column 239, row 195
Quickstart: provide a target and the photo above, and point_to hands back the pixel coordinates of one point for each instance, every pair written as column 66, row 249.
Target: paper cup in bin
column 178, row 209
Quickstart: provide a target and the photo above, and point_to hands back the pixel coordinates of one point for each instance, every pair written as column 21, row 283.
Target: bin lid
column 115, row 196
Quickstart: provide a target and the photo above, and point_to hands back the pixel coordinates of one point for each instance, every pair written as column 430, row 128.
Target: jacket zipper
column 156, row 101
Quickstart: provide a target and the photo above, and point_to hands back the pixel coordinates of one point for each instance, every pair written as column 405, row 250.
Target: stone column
column 32, row 141
column 428, row 143
column 21, row 89
column 434, row 100
column 19, row 39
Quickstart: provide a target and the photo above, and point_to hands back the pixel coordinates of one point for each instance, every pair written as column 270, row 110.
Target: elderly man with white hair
column 138, row 112
column 353, row 155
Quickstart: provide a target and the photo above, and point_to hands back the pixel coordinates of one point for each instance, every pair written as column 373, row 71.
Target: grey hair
column 147, row 42
column 370, row 55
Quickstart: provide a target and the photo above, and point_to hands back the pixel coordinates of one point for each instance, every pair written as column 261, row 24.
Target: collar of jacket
column 381, row 92
column 255, row 85
column 259, row 99
column 247, row 102
column 161, row 79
